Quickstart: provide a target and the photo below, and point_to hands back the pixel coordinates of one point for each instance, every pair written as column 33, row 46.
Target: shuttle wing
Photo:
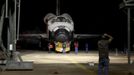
column 84, row 36
column 45, row 36
column 33, row 35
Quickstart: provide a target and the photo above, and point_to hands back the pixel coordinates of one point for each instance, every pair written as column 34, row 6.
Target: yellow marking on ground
column 80, row 66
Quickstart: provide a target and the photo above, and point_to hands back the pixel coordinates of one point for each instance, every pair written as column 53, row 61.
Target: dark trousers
column 103, row 66
column 86, row 50
column 76, row 50
column 50, row 50
column 64, row 51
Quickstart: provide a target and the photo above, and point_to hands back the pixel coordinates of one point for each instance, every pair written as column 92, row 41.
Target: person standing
column 50, row 47
column 103, row 47
column 64, row 47
column 86, row 47
column 76, row 47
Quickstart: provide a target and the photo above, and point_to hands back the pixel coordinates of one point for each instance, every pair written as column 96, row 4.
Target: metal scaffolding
column 128, row 5
column 13, row 60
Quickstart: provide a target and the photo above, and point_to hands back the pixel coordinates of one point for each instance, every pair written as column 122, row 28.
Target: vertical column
column 14, row 25
column 57, row 7
column 7, row 25
column 18, row 25
column 129, row 14
column 6, row 8
column 12, row 28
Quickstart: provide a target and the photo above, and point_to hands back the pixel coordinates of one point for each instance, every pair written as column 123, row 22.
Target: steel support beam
column 57, row 7
column 129, row 5
column 6, row 8
column 129, row 20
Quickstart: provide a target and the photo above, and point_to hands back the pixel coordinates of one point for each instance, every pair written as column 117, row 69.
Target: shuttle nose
column 61, row 37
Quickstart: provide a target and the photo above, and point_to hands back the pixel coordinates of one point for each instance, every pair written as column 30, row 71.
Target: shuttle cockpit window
column 61, row 19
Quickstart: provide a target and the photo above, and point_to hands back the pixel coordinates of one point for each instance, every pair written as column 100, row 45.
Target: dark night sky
column 94, row 17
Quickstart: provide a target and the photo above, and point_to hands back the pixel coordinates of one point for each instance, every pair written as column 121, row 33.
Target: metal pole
column 129, row 1
column 14, row 27
column 58, row 7
column 7, row 18
column 12, row 30
column 18, row 25
column 6, row 8
column 129, row 14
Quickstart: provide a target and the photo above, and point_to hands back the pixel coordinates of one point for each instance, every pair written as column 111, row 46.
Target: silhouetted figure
column 64, row 47
column 50, row 47
column 86, row 47
column 103, row 47
column 76, row 47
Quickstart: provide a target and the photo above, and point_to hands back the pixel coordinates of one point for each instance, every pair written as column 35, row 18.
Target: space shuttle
column 60, row 29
